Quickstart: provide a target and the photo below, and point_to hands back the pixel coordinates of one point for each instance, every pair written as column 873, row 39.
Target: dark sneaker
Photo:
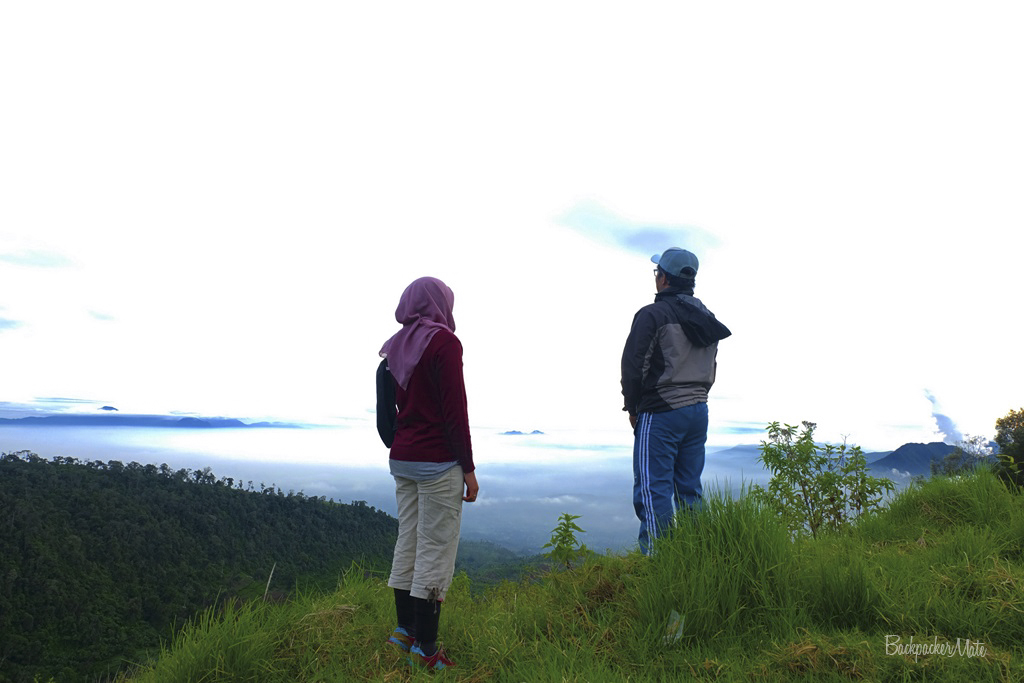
column 437, row 661
column 400, row 639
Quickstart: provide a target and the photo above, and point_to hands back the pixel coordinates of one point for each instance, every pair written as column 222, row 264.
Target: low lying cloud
column 898, row 476
column 734, row 427
column 62, row 399
column 6, row 324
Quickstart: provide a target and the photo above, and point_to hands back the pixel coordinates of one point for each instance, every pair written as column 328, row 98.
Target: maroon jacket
column 433, row 421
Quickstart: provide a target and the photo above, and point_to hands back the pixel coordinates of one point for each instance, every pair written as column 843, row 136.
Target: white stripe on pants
column 650, row 524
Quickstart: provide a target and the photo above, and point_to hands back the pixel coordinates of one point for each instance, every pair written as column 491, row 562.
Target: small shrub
column 564, row 547
column 815, row 487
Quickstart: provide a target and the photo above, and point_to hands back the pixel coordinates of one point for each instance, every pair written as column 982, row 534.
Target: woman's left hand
column 472, row 488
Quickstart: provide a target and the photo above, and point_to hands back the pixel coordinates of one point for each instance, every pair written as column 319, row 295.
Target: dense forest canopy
column 99, row 560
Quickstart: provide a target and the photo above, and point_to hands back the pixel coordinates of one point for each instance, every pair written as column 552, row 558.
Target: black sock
column 406, row 611
column 428, row 614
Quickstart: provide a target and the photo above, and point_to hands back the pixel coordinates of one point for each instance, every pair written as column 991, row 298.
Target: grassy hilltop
column 943, row 563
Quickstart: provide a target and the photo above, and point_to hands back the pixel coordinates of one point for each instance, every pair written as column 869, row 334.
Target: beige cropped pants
column 429, row 519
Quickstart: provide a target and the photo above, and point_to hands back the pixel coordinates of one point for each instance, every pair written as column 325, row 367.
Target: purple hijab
column 425, row 308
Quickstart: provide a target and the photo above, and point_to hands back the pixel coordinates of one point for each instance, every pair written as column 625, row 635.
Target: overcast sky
column 213, row 207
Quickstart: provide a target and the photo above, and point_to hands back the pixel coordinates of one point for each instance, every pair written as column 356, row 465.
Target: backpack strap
column 387, row 405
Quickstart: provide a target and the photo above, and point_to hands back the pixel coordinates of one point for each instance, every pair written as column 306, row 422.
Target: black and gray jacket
column 669, row 359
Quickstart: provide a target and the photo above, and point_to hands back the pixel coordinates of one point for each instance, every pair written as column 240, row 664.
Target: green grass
column 944, row 561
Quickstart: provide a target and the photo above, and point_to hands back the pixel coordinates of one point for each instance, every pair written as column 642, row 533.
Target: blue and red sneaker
column 437, row 661
column 401, row 639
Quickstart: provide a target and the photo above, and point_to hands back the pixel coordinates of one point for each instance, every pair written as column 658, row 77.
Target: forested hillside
column 99, row 560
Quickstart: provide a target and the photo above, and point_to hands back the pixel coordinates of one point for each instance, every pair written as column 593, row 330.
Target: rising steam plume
column 944, row 423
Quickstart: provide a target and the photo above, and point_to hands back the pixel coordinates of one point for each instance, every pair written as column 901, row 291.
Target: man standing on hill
column 668, row 366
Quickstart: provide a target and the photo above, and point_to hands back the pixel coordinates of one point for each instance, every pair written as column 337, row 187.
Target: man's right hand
column 632, row 421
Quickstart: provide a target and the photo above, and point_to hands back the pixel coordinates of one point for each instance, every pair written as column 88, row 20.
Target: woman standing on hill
column 431, row 461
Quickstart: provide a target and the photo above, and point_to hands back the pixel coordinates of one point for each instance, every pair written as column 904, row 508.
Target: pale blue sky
column 213, row 208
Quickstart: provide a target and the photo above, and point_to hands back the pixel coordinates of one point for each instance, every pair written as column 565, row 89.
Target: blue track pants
column 668, row 458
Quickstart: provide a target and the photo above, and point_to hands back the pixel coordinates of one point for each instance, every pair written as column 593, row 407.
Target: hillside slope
column 98, row 560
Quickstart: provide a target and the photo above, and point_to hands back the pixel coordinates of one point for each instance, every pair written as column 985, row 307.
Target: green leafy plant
column 565, row 548
column 1010, row 437
column 816, row 488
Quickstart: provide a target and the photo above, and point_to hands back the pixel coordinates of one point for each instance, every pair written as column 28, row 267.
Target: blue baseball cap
column 675, row 260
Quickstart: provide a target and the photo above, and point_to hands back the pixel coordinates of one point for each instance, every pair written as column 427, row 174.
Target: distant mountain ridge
column 165, row 421
column 912, row 458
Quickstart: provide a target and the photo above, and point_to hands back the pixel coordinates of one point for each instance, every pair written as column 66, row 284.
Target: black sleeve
column 387, row 406
column 641, row 334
